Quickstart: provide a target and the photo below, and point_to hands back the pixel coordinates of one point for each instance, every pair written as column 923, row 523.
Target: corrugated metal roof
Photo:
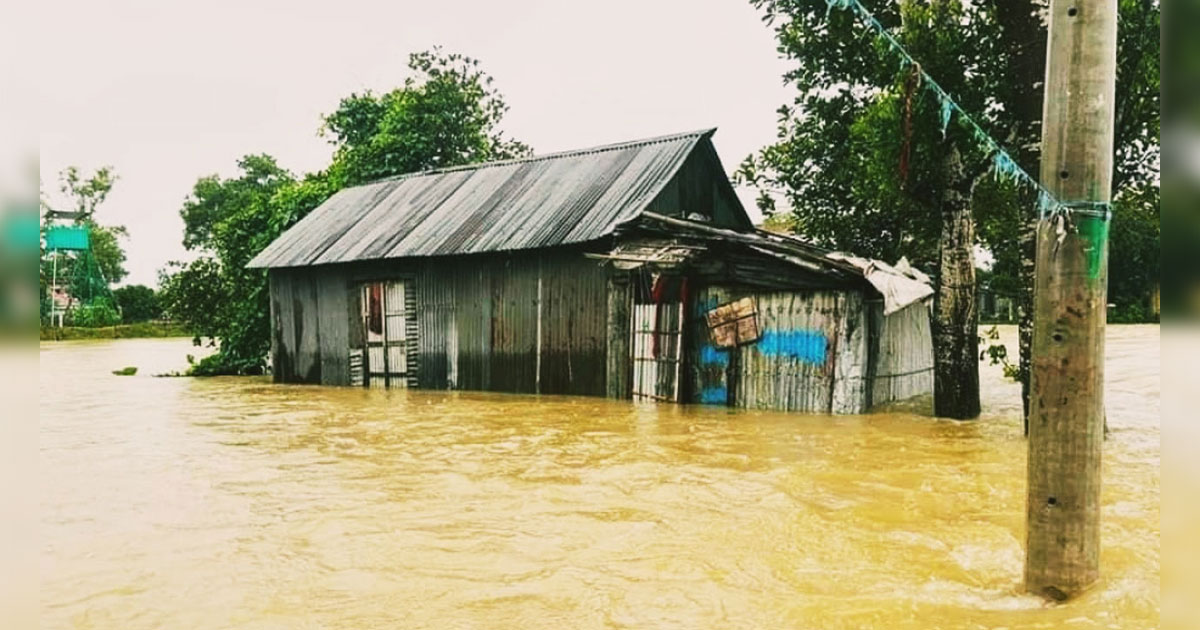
column 542, row 201
column 900, row 285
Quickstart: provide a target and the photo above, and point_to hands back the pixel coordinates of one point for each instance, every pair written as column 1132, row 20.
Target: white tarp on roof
column 900, row 284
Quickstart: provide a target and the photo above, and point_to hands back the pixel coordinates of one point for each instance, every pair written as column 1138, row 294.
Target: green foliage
column 1134, row 266
column 138, row 303
column 95, row 313
column 140, row 330
column 107, row 250
column 835, row 168
column 837, row 164
column 446, row 114
column 126, row 371
column 86, row 274
column 996, row 353
column 86, row 192
column 223, row 215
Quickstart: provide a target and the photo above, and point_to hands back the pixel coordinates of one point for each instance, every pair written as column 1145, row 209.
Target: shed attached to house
column 629, row 270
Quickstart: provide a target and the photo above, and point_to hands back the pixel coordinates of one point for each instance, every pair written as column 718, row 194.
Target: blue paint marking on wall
column 807, row 345
column 714, row 395
column 711, row 356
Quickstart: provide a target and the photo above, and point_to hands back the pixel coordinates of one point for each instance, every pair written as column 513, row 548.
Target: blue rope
column 1003, row 166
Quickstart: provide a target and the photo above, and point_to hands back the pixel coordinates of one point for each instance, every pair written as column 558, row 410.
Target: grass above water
column 120, row 331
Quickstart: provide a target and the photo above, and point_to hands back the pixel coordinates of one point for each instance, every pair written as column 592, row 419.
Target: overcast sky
column 167, row 92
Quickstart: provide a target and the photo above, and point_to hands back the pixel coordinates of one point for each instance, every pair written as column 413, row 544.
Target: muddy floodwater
column 235, row 503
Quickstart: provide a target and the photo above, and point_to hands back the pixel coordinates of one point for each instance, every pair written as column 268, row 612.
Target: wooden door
column 385, row 326
column 657, row 334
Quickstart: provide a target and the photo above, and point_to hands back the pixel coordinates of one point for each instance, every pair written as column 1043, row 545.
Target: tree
column 864, row 128
column 1135, row 238
column 85, row 274
column 86, row 192
column 860, row 160
column 138, row 303
column 106, row 248
column 96, row 313
column 216, row 296
column 445, row 114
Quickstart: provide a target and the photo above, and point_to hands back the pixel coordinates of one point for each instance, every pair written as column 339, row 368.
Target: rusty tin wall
column 812, row 355
column 522, row 322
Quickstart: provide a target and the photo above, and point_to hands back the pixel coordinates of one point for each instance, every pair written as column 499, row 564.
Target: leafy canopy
column 85, row 274
column 137, row 303
column 860, row 153
column 446, row 113
column 835, row 170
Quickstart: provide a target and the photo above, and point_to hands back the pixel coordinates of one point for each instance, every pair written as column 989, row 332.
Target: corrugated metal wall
column 524, row 322
column 701, row 187
column 903, row 353
column 537, row 322
column 811, row 357
column 310, row 326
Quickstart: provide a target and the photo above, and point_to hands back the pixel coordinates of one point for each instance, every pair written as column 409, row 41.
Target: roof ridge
column 699, row 133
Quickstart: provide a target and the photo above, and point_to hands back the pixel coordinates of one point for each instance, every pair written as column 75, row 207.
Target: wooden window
column 733, row 324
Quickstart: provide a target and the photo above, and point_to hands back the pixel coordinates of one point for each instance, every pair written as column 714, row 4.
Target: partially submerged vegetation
column 121, row 331
column 446, row 114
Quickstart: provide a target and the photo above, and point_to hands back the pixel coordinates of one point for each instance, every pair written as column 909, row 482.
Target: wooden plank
column 617, row 354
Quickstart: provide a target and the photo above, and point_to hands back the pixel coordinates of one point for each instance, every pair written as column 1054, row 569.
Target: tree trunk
column 955, row 317
column 1028, row 245
column 1022, row 33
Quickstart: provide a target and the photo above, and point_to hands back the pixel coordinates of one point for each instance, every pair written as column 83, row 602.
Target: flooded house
column 629, row 270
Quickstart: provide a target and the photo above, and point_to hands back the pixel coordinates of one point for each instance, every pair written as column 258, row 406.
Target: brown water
column 235, row 503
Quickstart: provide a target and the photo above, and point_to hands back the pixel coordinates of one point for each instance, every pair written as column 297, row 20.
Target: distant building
column 628, row 271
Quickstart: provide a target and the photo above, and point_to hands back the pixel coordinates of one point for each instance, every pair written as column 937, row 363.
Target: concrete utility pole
column 1066, row 424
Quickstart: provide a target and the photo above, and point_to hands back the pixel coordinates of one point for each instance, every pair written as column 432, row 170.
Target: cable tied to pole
column 1004, row 167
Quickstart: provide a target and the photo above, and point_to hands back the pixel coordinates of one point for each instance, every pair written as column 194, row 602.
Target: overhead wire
column 1004, row 167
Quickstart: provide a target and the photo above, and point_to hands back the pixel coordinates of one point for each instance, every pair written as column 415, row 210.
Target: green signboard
column 67, row 237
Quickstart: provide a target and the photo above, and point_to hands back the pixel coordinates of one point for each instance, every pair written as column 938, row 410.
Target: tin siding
column 283, row 334
column 478, row 325
column 574, row 326
column 903, row 353
column 435, row 313
column 309, row 327
column 791, row 367
column 812, row 355
column 514, row 325
column 708, row 369
column 333, row 326
column 851, row 356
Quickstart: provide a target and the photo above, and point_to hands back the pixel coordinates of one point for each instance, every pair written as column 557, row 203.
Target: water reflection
column 222, row 503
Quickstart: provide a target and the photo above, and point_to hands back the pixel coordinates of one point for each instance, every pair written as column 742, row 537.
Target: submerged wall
column 523, row 322
column 555, row 322
column 811, row 357
column 902, row 352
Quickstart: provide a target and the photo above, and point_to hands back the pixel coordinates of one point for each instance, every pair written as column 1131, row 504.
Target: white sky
column 167, row 92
